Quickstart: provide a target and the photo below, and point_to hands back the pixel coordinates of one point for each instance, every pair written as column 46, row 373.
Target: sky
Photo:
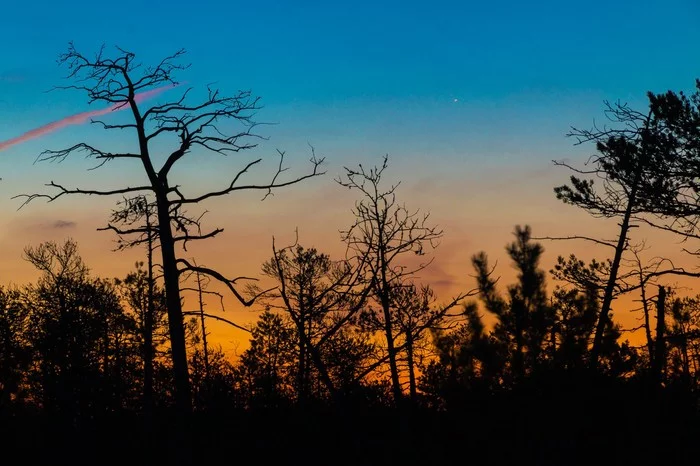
column 471, row 102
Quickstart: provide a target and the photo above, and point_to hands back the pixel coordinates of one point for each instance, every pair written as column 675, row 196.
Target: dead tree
column 387, row 236
column 192, row 129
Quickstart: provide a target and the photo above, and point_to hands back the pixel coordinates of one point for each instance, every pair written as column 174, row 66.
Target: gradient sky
column 471, row 100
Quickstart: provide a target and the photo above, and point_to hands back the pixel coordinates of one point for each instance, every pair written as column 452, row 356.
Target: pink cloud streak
column 78, row 119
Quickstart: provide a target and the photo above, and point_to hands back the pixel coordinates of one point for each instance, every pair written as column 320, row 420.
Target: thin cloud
column 64, row 224
column 78, row 119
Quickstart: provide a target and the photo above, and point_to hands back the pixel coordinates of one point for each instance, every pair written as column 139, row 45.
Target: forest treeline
column 75, row 345
column 511, row 370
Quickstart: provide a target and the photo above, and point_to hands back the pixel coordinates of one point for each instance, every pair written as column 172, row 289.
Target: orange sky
column 476, row 214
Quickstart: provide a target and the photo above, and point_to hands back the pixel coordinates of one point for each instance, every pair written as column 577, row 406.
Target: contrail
column 78, row 119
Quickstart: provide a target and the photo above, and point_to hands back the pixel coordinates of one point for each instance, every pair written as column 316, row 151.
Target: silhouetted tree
column 470, row 364
column 634, row 166
column 77, row 334
column 197, row 128
column 15, row 353
column 658, row 363
column 576, row 312
column 676, row 117
column 525, row 318
column 683, row 341
column 146, row 302
column 576, row 304
column 348, row 355
column 265, row 372
column 137, row 215
column 213, row 379
column 384, row 237
column 417, row 313
column 321, row 297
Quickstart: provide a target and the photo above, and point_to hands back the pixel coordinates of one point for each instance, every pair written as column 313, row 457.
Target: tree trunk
column 612, row 279
column 176, row 327
column 391, row 350
column 314, row 355
column 148, row 330
column 660, row 346
column 205, row 346
column 411, row 371
column 647, row 325
column 388, row 329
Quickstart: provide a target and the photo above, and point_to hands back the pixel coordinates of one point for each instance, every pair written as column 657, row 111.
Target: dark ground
column 549, row 430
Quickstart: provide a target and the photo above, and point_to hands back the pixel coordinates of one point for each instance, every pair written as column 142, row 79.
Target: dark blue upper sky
column 436, row 78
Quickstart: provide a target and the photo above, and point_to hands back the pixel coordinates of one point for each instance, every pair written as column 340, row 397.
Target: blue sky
column 366, row 62
column 469, row 84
